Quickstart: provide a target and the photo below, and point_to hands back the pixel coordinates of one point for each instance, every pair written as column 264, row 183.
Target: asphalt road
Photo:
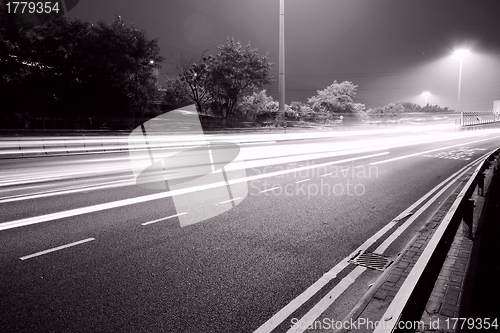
column 123, row 267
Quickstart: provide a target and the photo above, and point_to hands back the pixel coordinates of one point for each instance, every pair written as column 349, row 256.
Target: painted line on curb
column 56, row 249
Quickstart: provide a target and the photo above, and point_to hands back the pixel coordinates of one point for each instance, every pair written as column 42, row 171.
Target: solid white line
column 389, row 240
column 162, row 195
column 223, row 202
column 56, row 248
column 165, row 218
column 428, row 151
column 303, row 180
column 452, row 179
column 269, row 189
column 285, row 312
column 393, row 312
column 328, row 300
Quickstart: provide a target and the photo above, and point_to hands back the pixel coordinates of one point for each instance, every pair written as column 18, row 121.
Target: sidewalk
column 468, row 284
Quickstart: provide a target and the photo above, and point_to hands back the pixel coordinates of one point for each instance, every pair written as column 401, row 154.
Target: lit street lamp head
column 461, row 53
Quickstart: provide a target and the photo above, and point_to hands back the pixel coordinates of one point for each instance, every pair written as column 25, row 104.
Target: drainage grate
column 371, row 260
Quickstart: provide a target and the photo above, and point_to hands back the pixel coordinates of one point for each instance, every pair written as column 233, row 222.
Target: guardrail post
column 467, row 215
column 480, row 183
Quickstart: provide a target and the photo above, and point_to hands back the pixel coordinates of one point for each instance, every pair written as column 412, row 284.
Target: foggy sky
column 392, row 49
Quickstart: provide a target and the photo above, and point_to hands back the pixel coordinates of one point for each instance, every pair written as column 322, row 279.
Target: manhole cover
column 371, row 260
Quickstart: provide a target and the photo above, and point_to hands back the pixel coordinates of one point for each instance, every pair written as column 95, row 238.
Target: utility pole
column 281, row 114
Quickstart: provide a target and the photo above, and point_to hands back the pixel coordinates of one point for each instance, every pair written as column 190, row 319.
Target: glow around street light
column 426, row 95
column 461, row 53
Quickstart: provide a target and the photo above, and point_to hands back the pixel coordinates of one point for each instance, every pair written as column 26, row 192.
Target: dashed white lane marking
column 429, row 151
column 157, row 196
column 326, row 174
column 326, row 301
column 303, row 180
column 164, row 218
column 57, row 248
column 223, row 202
column 269, row 189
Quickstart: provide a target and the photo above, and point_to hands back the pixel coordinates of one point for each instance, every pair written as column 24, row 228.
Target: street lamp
column 156, row 71
column 282, row 63
column 460, row 54
column 426, row 96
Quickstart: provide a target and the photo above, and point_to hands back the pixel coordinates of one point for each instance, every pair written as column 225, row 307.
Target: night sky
column 392, row 49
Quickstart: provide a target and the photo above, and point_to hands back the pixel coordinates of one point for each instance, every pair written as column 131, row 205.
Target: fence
column 471, row 118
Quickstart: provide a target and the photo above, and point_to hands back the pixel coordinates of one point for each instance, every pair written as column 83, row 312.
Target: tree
column 336, row 98
column 77, row 68
column 233, row 72
column 174, row 92
column 384, row 112
column 410, row 107
column 299, row 110
column 194, row 78
column 258, row 103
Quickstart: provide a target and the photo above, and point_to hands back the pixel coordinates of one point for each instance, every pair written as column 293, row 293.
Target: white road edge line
column 157, row 196
column 393, row 312
column 164, row 218
column 286, row 311
column 389, row 240
column 56, row 249
column 326, row 301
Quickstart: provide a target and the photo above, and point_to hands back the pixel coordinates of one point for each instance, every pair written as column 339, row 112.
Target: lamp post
column 426, row 95
column 460, row 54
column 282, row 63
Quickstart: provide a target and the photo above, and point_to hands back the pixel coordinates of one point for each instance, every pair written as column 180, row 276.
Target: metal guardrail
column 471, row 118
column 410, row 301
